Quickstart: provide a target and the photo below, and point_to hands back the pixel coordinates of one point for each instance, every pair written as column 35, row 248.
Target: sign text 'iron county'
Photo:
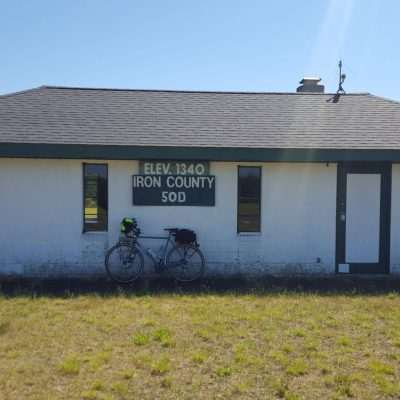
column 189, row 190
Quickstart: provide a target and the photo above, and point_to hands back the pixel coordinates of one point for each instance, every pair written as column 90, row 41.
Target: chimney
column 310, row 84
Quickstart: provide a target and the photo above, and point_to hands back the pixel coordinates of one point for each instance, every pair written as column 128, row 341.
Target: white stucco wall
column 41, row 219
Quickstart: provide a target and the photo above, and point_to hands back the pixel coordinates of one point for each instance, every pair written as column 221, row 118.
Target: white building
column 302, row 182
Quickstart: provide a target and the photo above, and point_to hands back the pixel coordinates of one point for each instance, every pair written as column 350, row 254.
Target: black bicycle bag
column 185, row 236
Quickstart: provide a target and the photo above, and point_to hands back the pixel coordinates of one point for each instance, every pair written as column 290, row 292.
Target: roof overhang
column 77, row 151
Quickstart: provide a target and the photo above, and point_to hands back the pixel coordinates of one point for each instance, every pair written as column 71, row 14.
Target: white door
column 363, row 217
column 363, row 203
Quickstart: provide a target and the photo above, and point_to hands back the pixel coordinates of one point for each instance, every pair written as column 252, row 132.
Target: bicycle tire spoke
column 179, row 251
column 186, row 263
column 194, row 252
column 124, row 263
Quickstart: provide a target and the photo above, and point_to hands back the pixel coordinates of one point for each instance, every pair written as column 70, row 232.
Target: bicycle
column 124, row 262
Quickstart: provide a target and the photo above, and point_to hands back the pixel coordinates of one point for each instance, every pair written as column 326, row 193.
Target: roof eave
column 78, row 151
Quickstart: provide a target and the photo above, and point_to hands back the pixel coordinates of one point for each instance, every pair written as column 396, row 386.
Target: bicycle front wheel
column 124, row 264
column 186, row 263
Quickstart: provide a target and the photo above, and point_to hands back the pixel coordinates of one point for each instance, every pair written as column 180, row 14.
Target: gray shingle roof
column 58, row 115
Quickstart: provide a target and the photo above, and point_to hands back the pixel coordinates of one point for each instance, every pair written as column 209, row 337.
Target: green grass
column 141, row 339
column 202, row 346
column 70, row 366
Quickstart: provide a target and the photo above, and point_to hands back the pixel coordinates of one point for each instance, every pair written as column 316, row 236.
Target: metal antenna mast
column 342, row 77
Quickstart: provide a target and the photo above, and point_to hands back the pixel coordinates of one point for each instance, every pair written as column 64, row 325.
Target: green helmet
column 128, row 224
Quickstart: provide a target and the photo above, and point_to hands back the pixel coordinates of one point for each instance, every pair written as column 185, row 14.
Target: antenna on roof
column 342, row 77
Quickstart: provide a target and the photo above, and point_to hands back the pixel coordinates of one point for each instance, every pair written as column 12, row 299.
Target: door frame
column 385, row 169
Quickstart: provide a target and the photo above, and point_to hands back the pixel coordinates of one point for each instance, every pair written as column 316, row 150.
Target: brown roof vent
column 310, row 84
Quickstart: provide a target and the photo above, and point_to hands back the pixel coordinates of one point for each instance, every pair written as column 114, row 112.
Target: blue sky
column 203, row 45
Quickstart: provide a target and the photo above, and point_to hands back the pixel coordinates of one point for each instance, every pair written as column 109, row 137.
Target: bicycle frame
column 161, row 255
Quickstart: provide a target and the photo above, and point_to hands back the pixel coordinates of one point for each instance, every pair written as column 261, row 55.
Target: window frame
column 239, row 232
column 86, row 227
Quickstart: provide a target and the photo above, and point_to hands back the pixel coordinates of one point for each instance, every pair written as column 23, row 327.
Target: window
column 95, row 197
column 249, row 199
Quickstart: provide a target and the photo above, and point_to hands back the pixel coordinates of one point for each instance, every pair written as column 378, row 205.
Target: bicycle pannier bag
column 185, row 236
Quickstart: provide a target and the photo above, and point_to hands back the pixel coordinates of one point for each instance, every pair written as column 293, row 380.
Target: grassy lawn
column 200, row 346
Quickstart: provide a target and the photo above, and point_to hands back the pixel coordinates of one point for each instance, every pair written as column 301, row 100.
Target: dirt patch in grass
column 201, row 346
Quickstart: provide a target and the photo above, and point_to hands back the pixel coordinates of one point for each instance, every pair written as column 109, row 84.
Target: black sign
column 173, row 190
column 174, row 167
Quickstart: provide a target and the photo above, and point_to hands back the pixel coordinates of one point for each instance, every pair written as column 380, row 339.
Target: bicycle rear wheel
column 124, row 264
column 186, row 263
